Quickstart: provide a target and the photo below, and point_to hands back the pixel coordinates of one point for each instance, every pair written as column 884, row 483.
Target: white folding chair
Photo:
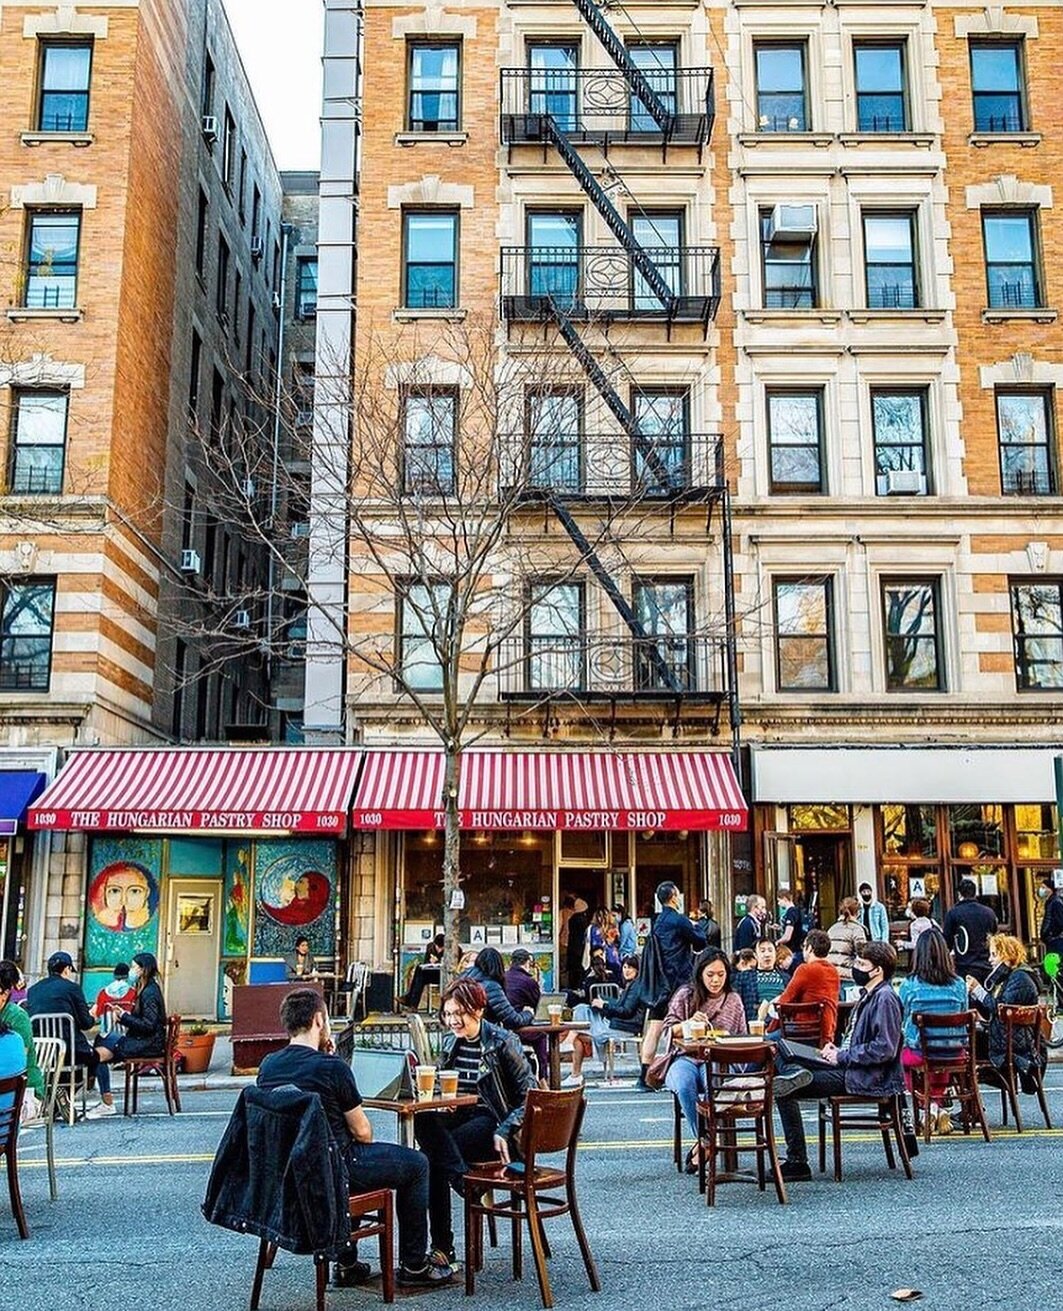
column 51, row 1057
column 356, row 983
column 75, row 1078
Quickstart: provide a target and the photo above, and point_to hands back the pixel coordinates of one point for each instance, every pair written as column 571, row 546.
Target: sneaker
column 351, row 1274
column 101, row 1111
column 441, row 1258
column 429, row 1276
column 642, row 1087
column 572, row 1081
column 943, row 1123
column 785, row 1085
column 796, row 1171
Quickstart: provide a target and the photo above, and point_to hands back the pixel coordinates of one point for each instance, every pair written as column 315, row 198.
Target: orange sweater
column 815, row 980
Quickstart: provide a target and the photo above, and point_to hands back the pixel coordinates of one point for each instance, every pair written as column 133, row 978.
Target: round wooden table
column 553, row 1034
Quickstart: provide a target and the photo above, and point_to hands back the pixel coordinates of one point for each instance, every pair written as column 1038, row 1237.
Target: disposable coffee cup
column 555, row 1014
column 688, row 1030
column 448, row 1084
column 426, row 1082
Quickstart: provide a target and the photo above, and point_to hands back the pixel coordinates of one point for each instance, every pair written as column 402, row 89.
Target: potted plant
column 196, row 1049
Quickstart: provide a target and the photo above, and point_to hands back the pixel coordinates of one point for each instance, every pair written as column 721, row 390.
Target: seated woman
column 623, row 1018
column 140, row 1033
column 490, row 972
column 426, row 973
column 932, row 988
column 1011, row 985
column 598, row 973
column 490, row 1064
column 710, row 997
column 300, row 964
column 759, row 987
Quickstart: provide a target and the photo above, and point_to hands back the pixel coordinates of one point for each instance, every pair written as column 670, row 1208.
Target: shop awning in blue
column 18, row 787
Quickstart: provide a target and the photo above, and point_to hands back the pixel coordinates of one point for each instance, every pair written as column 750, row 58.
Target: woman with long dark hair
column 709, row 997
column 140, row 1033
column 490, row 972
column 932, row 988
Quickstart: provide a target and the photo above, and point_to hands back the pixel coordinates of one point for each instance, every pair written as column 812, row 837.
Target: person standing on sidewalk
column 967, row 928
column 676, row 939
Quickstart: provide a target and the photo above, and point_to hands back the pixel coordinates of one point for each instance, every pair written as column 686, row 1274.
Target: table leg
column 554, row 1043
column 406, row 1138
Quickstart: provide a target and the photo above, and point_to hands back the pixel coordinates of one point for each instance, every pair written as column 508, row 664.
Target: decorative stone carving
column 1021, row 368
column 1037, row 554
column 995, row 20
column 1006, row 189
column 433, row 20
column 55, row 190
column 65, row 21
column 431, row 191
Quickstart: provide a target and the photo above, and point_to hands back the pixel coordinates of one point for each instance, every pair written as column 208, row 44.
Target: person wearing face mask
column 874, row 918
column 868, row 1063
column 140, row 1032
column 1009, row 984
column 1051, row 915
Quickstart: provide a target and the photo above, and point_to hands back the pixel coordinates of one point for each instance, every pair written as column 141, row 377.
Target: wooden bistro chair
column 947, row 1046
column 1006, row 1077
column 165, row 1066
column 800, row 1021
column 552, row 1122
column 51, row 1055
column 737, row 1116
column 13, row 1089
column 373, row 1216
column 881, row 1113
column 75, row 1079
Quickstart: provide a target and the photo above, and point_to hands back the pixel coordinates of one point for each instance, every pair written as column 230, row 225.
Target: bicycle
column 1050, row 968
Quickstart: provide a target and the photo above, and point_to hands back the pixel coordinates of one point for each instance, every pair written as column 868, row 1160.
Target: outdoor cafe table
column 553, row 1034
column 407, row 1107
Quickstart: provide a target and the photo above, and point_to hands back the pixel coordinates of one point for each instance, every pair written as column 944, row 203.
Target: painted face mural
column 123, row 897
column 291, row 894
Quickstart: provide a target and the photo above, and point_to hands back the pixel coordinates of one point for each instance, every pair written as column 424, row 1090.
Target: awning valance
column 18, row 787
column 202, row 790
column 553, row 791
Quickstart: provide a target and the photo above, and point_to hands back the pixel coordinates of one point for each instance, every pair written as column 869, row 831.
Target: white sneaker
column 572, row 1081
column 101, row 1111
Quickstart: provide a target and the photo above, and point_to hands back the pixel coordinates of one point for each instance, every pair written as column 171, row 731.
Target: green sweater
column 16, row 1018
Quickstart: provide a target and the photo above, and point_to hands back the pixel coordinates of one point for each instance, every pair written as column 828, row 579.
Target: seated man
column 308, row 1062
column 868, row 1064
column 426, row 973
column 60, row 994
column 815, row 980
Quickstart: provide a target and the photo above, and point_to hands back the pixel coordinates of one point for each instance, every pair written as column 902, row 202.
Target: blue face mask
column 134, row 973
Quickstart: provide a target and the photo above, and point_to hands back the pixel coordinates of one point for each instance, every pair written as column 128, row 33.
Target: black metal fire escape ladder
column 621, row 57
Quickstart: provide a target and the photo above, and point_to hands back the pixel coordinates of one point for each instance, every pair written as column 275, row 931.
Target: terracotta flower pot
column 196, row 1050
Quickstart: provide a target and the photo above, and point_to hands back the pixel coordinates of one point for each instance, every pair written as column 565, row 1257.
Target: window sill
column 57, row 138
column 407, row 315
column 819, row 139
column 431, row 138
column 22, row 313
column 924, row 140
column 884, row 316
column 792, row 316
column 1003, row 315
column 1025, row 139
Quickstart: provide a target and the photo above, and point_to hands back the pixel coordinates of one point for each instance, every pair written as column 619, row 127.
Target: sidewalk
column 220, row 1075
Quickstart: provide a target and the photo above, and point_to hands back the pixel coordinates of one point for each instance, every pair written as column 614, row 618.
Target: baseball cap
column 59, row 961
column 520, row 956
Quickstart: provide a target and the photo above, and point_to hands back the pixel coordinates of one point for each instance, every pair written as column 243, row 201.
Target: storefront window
column 909, row 830
column 976, row 831
column 578, row 847
column 816, row 816
column 994, row 888
column 903, row 884
column 1037, row 832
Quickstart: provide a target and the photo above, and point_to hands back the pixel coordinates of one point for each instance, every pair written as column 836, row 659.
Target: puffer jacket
column 505, row 1079
column 145, row 1025
column 1010, row 987
column 500, row 1010
column 278, row 1173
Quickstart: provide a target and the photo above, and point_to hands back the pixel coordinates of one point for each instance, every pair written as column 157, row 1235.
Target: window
column 207, row 100
column 664, row 658
column 554, row 638
column 658, row 61
column 553, row 82
column 804, row 635
column 913, row 646
column 241, row 196
column 217, row 404
column 221, row 286
column 795, row 441
column 429, row 428
column 555, row 440
column 249, row 349
column 1037, row 631
column 1025, row 438
column 782, row 99
column 899, row 427
column 228, row 149
column 554, row 241
column 63, row 104
column 423, row 611
column 238, row 287
column 663, row 417
column 177, row 709
column 434, row 82
column 256, row 209
column 997, row 86
column 52, row 260
column 430, row 266
column 306, row 287
column 880, row 86
column 201, row 234
column 194, row 366
column 26, row 610
column 789, row 263
column 889, row 261
column 303, row 384
column 1011, row 258
column 660, row 234
column 38, row 441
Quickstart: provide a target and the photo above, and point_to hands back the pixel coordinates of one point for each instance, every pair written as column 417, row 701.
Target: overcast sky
column 280, row 42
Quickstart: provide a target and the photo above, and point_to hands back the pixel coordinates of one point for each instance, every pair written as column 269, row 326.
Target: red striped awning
column 201, row 790
column 553, row 790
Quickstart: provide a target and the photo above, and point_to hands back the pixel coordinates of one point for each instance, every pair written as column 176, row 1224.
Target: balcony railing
column 611, row 466
column 598, row 105
column 584, row 282
column 612, row 667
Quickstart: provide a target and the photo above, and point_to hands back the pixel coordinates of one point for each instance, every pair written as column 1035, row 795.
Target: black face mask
column 862, row 977
column 865, row 897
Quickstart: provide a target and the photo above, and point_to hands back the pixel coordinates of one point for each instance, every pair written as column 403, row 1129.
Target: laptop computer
column 548, row 999
column 383, row 1073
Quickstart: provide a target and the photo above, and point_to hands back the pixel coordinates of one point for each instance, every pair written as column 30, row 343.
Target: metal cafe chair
column 51, row 1056
column 75, row 1078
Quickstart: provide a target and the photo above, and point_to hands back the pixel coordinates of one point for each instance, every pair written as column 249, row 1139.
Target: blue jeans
column 686, row 1078
column 386, row 1165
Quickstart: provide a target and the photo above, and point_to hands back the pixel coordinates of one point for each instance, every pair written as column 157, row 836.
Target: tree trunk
column 451, row 862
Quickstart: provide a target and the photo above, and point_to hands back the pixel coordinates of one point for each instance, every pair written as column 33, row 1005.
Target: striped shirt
column 467, row 1056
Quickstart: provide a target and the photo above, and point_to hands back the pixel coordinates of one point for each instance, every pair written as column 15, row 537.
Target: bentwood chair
column 947, row 1045
column 12, row 1092
column 165, row 1066
column 1006, row 1076
column 51, row 1055
column 880, row 1113
column 737, row 1116
column 801, row 1021
column 552, row 1122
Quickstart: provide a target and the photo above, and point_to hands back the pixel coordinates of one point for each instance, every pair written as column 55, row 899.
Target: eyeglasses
column 453, row 1017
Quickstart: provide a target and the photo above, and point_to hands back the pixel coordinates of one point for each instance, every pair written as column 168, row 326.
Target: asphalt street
column 979, row 1227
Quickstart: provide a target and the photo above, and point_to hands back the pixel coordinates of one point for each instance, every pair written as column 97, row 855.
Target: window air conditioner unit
column 257, row 248
column 276, row 300
column 301, row 529
column 792, row 223
column 241, row 618
column 209, row 127
column 190, row 562
column 902, row 482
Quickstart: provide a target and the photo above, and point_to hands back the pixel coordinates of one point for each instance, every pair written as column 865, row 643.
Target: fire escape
column 574, row 287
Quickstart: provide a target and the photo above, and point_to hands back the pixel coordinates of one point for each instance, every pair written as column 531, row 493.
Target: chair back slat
column 946, row 1036
column 12, row 1091
column 55, row 1024
column 606, row 991
column 801, row 1021
column 552, row 1122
